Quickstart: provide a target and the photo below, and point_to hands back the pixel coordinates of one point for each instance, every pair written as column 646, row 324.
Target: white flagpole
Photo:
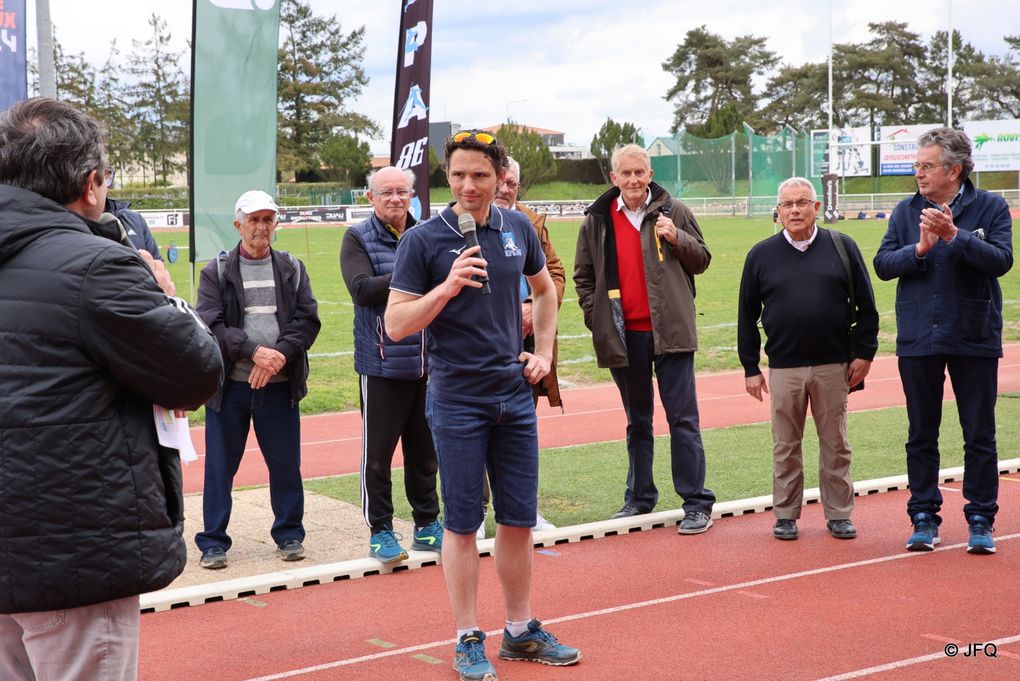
column 949, row 69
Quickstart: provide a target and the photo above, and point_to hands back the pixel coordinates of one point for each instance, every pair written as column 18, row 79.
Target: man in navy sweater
column 948, row 245
column 798, row 285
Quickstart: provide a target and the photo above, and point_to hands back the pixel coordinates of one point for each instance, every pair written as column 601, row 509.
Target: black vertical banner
column 410, row 146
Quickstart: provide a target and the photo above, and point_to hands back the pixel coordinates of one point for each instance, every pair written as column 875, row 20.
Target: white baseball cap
column 255, row 200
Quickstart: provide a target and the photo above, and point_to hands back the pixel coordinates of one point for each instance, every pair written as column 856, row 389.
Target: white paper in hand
column 173, row 432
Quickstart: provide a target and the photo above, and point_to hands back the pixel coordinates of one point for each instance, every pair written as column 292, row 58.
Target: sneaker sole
column 426, row 547
column 700, row 530
column 921, row 546
column 214, row 566
column 290, row 557
column 784, row 537
column 391, row 561
column 981, row 550
column 523, row 657
column 489, row 676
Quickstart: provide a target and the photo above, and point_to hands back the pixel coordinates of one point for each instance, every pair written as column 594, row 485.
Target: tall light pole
column 44, row 40
column 949, row 69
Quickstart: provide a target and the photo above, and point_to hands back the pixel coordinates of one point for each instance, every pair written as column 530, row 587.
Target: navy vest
column 375, row 353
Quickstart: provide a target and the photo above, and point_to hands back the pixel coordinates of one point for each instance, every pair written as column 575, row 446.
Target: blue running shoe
column 470, row 661
column 981, row 541
column 537, row 645
column 384, row 547
column 428, row 538
column 926, row 533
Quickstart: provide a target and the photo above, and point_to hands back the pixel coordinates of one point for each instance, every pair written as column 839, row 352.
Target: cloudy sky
column 559, row 64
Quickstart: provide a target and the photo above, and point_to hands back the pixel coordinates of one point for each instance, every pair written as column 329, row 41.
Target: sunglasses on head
column 483, row 137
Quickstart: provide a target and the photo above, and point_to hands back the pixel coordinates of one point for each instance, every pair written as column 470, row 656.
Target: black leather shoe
column 627, row 511
column 785, row 529
column 842, row 529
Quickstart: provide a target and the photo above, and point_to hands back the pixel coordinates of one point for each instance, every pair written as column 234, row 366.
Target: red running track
column 331, row 443
column 730, row 604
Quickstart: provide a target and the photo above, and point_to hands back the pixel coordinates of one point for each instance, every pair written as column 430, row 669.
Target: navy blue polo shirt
column 474, row 342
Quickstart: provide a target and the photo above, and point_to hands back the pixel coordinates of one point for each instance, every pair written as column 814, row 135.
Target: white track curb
column 363, row 567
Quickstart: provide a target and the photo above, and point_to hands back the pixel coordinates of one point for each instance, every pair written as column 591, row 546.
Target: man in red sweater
column 637, row 253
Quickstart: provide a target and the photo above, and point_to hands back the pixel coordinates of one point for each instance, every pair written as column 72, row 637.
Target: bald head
column 390, row 190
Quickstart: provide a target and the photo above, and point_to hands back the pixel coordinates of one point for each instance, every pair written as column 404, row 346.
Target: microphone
column 466, row 224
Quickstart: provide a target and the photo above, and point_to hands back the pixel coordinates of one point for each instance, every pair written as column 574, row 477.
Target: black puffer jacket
column 90, row 505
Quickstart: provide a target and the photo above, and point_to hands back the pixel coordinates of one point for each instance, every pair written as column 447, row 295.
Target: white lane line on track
column 910, row 661
column 642, row 604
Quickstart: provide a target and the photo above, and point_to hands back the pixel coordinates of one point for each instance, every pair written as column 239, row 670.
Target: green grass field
column 586, row 483
column 333, row 383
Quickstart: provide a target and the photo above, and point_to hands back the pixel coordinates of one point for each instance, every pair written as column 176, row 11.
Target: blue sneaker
column 926, row 533
column 981, row 530
column 384, row 547
column 470, row 661
column 428, row 538
column 537, row 645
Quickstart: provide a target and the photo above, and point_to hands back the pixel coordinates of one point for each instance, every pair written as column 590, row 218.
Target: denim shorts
column 473, row 436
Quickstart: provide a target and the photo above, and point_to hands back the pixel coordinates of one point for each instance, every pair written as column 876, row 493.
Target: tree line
column 143, row 99
column 893, row 78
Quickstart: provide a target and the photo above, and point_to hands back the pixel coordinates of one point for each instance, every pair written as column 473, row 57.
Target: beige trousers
column 91, row 643
column 825, row 389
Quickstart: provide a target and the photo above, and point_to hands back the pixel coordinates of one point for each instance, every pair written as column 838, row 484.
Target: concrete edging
column 296, row 578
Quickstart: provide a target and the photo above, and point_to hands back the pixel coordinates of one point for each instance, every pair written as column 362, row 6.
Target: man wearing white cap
column 259, row 305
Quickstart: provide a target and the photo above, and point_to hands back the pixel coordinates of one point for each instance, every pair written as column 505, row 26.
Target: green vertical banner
column 233, row 112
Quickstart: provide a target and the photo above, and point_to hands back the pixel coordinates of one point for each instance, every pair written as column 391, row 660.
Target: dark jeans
column 498, row 437
column 393, row 410
column 674, row 373
column 975, row 382
column 278, row 431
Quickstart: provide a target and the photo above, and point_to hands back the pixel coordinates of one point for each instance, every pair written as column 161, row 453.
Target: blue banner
column 13, row 74
column 410, row 141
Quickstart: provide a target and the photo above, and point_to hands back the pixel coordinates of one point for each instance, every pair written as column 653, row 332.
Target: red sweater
column 633, row 291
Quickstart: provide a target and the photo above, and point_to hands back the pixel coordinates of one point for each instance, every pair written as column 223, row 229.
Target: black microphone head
column 466, row 223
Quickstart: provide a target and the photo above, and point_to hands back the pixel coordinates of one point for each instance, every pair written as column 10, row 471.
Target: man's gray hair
column 50, row 147
column 956, row 148
column 796, row 182
column 409, row 174
column 511, row 162
column 632, row 150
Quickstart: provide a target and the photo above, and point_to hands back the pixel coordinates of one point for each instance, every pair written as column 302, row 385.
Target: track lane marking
column 741, row 586
column 909, row 662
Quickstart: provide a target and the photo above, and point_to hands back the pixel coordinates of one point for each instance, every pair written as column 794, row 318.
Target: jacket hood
column 604, row 203
column 25, row 216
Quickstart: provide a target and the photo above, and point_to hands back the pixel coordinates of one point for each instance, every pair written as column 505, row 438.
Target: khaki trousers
column 91, row 643
column 825, row 389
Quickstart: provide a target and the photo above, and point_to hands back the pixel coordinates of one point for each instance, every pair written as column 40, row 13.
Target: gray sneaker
column 695, row 522
column 291, row 550
column 214, row 558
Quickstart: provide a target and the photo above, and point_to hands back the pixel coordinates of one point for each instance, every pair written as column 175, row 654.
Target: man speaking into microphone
column 479, row 403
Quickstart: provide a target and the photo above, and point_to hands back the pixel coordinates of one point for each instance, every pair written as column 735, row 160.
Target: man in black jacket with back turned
column 91, row 510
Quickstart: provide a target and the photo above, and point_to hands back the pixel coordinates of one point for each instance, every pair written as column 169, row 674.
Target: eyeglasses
column 390, row 193
column 483, row 137
column 926, row 167
column 108, row 175
column 511, row 185
column 799, row 203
